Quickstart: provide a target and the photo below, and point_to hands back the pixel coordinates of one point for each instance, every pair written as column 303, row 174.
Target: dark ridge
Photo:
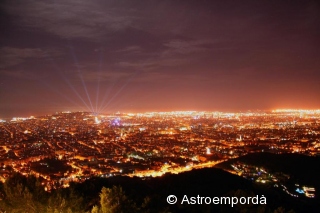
column 305, row 169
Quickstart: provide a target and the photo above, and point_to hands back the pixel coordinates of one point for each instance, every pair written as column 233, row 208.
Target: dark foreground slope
column 22, row 194
column 304, row 169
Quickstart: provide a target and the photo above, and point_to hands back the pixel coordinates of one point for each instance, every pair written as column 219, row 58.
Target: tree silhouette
column 114, row 200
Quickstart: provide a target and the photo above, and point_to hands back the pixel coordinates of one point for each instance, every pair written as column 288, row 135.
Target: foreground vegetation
column 125, row 194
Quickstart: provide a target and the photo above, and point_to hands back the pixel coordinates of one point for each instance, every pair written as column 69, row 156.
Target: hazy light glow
column 165, row 56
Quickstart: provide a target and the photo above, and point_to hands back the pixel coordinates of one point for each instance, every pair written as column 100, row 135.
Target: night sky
column 136, row 56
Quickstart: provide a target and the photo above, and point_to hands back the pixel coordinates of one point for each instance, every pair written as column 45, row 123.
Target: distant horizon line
column 170, row 111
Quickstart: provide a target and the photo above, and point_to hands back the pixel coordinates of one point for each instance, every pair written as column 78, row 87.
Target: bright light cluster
column 306, row 111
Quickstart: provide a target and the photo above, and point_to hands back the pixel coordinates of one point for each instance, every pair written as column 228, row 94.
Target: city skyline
column 144, row 56
column 152, row 144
